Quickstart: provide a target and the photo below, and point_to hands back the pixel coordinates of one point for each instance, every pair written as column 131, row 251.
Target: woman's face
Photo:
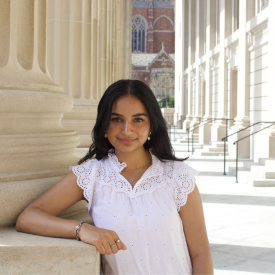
column 129, row 125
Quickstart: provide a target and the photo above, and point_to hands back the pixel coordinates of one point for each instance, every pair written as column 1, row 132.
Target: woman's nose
column 127, row 128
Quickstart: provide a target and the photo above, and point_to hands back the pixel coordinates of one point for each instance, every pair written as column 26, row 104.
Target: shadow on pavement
column 238, row 200
column 243, row 258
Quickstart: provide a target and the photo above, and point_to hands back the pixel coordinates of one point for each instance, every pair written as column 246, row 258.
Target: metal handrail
column 211, row 119
column 237, row 141
column 188, row 130
column 226, row 138
column 174, row 124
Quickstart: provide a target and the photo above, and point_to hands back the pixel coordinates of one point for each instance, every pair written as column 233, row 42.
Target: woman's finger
column 98, row 244
column 115, row 247
column 121, row 245
column 108, row 249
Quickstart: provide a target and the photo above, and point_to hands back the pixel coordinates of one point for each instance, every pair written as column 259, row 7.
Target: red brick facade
column 143, row 72
column 160, row 24
column 153, row 51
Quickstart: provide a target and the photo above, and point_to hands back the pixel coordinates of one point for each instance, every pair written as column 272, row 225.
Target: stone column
column 191, row 58
column 246, row 12
column 198, row 55
column 36, row 151
column 205, row 131
column 89, row 48
column 218, row 130
column 179, row 65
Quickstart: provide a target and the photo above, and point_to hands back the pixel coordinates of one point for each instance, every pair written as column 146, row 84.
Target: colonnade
column 89, row 48
column 223, row 68
column 56, row 60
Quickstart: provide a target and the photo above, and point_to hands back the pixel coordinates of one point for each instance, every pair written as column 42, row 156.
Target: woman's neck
column 134, row 159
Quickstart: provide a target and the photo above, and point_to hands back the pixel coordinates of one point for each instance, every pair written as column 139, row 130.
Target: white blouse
column 145, row 217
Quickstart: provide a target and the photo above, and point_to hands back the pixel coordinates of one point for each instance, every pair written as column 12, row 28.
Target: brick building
column 153, row 23
column 156, row 70
column 153, row 45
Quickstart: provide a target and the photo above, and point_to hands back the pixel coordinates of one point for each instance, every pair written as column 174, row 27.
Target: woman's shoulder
column 86, row 167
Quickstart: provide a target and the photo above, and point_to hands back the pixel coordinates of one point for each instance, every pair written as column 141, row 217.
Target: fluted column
column 247, row 12
column 205, row 131
column 179, row 65
column 219, row 128
column 242, row 120
column 35, row 149
column 92, row 52
column 191, row 58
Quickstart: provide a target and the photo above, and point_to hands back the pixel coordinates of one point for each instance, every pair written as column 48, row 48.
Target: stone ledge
column 22, row 253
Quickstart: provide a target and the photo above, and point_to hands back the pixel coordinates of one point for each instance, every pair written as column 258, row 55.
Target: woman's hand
column 101, row 238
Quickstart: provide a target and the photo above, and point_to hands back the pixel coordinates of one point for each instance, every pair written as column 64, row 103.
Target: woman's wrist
column 78, row 227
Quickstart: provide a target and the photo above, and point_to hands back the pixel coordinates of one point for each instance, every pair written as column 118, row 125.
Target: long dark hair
column 159, row 142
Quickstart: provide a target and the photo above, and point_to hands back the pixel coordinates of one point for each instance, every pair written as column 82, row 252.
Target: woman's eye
column 116, row 119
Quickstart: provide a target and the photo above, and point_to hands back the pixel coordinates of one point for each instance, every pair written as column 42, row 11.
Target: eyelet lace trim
column 113, row 158
column 86, row 177
column 152, row 178
column 184, row 182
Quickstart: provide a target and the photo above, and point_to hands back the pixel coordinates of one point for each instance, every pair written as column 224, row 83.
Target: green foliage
column 171, row 102
column 160, row 104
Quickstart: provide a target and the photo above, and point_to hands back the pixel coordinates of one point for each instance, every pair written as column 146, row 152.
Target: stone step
column 212, row 154
column 268, row 162
column 190, row 141
column 185, row 145
column 22, row 253
column 261, row 170
column 219, row 143
column 251, row 178
column 261, row 182
column 218, row 149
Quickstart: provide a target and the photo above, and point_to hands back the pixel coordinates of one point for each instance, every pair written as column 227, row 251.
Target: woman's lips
column 126, row 141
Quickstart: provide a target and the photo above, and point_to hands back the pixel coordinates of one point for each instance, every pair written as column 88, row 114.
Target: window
column 139, row 31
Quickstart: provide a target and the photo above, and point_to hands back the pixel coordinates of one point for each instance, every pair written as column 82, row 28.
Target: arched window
column 139, row 31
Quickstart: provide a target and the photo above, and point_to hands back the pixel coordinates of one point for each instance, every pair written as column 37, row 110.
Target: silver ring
column 115, row 243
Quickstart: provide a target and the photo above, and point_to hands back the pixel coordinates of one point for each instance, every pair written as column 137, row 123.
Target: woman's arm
column 195, row 232
column 39, row 218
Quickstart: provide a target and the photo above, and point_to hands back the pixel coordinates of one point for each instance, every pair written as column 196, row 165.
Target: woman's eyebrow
column 139, row 114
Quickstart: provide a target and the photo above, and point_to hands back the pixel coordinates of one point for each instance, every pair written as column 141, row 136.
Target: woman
column 136, row 192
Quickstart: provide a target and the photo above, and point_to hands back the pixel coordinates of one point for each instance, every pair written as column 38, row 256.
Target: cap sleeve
column 184, row 182
column 86, row 174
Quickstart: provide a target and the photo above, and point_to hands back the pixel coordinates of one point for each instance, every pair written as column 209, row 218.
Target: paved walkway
column 240, row 219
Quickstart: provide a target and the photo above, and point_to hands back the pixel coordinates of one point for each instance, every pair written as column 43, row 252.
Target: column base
column 218, row 131
column 22, row 253
column 244, row 145
column 263, row 146
column 205, row 134
column 82, row 118
column 17, row 195
column 186, row 123
column 195, row 121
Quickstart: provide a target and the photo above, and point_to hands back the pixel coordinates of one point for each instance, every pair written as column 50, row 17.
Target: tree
column 171, row 102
